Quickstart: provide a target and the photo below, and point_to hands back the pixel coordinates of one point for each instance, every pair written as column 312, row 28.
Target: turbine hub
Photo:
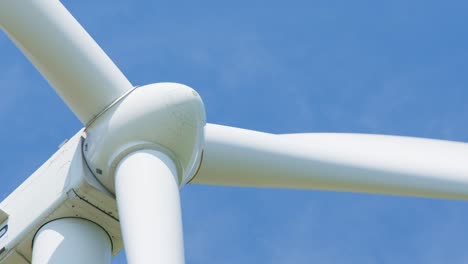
column 167, row 117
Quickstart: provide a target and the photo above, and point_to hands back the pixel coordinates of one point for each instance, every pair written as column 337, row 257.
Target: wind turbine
column 377, row 164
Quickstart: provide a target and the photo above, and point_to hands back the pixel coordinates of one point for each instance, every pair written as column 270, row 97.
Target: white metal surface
column 161, row 115
column 61, row 187
column 149, row 208
column 71, row 241
column 344, row 162
column 66, row 55
column 3, row 216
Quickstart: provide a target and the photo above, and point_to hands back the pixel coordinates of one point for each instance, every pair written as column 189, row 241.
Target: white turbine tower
column 116, row 182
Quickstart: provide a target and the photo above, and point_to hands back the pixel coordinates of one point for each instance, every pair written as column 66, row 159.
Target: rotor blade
column 342, row 162
column 66, row 55
column 149, row 208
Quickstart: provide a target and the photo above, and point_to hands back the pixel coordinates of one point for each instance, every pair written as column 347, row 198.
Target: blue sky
column 395, row 67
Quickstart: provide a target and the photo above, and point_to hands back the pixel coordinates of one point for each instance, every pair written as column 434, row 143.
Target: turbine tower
column 116, row 183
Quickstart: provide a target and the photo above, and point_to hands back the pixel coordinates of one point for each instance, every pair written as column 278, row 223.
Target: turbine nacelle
column 166, row 117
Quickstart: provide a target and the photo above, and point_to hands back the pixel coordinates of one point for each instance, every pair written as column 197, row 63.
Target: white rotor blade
column 66, row 55
column 343, row 162
column 149, row 208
